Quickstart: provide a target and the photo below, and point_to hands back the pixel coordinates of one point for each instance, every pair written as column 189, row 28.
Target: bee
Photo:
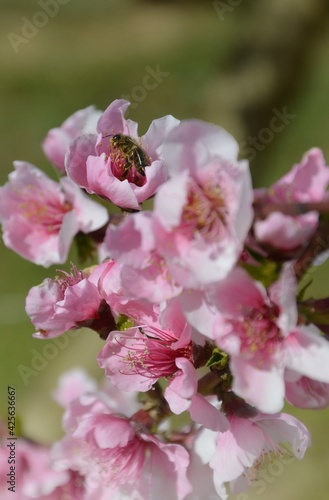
column 133, row 153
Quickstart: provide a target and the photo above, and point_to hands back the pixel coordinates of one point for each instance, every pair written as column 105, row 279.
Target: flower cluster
column 196, row 297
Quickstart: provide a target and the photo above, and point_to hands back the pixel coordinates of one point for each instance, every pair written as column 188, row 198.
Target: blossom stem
column 155, row 408
column 208, row 383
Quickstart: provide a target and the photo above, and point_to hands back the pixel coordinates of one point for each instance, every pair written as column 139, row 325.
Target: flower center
column 259, row 333
column 64, row 279
column 205, row 211
column 268, row 455
column 128, row 158
column 42, row 209
column 151, row 354
column 120, row 465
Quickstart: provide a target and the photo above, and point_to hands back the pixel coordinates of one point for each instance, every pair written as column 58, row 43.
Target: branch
column 263, row 209
column 318, row 243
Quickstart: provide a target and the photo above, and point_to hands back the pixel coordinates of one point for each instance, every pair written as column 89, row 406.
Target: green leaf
column 218, row 358
column 86, row 247
column 123, row 323
column 301, row 294
column 267, row 272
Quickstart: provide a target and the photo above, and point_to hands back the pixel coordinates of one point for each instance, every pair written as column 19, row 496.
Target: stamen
column 259, row 332
column 65, row 279
column 151, row 356
column 205, row 211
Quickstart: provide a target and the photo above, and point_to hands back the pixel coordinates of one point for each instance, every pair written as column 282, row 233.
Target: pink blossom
column 306, row 182
column 137, row 311
column 102, row 166
column 138, row 357
column 259, row 330
column 240, row 451
column 35, row 476
column 204, row 211
column 92, row 298
column 307, row 393
column 58, row 139
column 41, row 217
column 71, row 394
column 144, row 273
column 72, row 385
column 118, row 456
column 68, row 302
column 201, row 475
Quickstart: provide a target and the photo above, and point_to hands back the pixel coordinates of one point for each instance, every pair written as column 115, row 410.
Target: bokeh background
column 236, row 67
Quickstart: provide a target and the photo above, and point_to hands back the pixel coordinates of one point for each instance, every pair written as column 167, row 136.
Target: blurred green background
column 236, row 67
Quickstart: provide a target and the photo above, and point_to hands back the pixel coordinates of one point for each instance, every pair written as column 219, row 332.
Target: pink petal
column 286, row 232
column 284, row 428
column 89, row 214
column 192, row 142
column 76, row 158
column 263, row 389
column 157, row 133
column 204, row 413
column 100, row 180
column 237, row 449
column 182, row 387
column 307, row 352
column 113, row 120
column 113, row 358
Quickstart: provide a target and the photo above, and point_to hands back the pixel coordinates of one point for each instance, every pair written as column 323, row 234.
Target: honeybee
column 134, row 154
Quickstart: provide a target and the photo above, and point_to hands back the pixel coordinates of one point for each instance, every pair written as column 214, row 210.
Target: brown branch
column 263, row 209
column 208, row 383
column 318, row 243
